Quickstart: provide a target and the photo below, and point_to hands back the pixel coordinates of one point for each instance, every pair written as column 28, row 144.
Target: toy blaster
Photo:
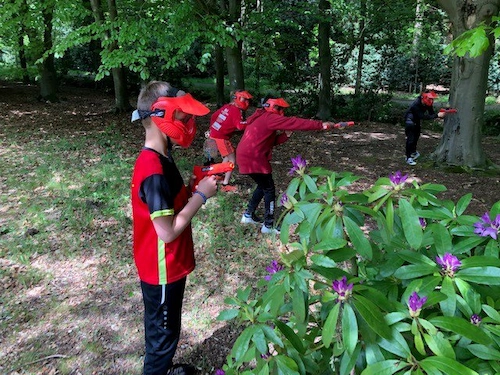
column 200, row 171
column 344, row 124
column 448, row 110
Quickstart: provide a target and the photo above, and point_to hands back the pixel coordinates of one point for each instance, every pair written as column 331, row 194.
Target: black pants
column 412, row 135
column 162, row 324
column 265, row 189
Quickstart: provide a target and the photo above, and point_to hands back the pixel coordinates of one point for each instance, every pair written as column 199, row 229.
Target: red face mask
column 241, row 99
column 181, row 132
column 276, row 106
column 428, row 98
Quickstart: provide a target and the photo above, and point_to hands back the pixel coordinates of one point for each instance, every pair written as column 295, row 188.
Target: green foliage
column 368, row 106
column 389, row 280
column 491, row 125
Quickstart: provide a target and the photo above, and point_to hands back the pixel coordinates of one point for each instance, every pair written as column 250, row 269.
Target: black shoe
column 181, row 369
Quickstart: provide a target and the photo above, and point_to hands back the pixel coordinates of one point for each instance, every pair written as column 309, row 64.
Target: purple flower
column 298, row 165
column 285, row 201
column 342, row 288
column 272, row 269
column 423, row 223
column 475, row 319
column 415, row 304
column 485, row 227
column 397, row 178
column 449, row 263
column 219, row 372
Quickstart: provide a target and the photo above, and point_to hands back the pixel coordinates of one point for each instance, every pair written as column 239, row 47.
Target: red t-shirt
column 254, row 152
column 157, row 189
column 225, row 121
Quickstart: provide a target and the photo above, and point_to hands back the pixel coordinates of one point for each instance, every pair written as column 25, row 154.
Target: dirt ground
column 369, row 150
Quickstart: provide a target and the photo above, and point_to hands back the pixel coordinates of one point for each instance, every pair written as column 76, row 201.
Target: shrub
column 389, row 280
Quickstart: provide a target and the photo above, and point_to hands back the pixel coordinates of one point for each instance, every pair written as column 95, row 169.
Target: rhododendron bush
column 389, row 280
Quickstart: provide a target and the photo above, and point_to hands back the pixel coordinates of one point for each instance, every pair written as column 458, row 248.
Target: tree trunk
column 361, row 51
column 122, row 102
column 23, row 10
column 325, row 61
column 219, row 76
column 233, row 54
column 417, row 34
column 461, row 140
column 48, row 75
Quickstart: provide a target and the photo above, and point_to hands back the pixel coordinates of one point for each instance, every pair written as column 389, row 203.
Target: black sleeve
column 156, row 193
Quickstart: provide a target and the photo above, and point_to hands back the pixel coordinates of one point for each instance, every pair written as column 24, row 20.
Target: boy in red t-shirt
column 223, row 123
column 162, row 209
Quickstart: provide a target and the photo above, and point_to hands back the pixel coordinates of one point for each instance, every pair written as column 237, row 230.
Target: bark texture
column 325, row 61
column 461, row 140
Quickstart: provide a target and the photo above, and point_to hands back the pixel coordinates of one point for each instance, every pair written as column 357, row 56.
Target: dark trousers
column 162, row 324
column 265, row 189
column 412, row 135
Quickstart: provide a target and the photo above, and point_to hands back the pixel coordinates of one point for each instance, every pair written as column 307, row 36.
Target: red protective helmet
column 276, row 105
column 163, row 115
column 241, row 99
column 428, row 98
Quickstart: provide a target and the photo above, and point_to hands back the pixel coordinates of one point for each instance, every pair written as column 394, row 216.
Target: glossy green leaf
column 413, row 271
column 480, row 275
column 411, row 224
column 290, row 335
column 330, row 326
column 349, row 328
column 299, row 303
column 492, row 313
column 358, row 239
column 259, row 339
column 439, row 345
column 323, row 261
column 442, row 238
column 461, row 327
column 228, row 314
column 286, row 365
column 387, row 367
column 484, row 352
column 463, row 203
column 448, row 366
column 449, row 305
column 372, row 316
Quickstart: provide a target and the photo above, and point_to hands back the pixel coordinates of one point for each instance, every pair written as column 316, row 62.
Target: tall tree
column 122, row 103
column 233, row 52
column 325, row 61
column 461, row 140
column 48, row 75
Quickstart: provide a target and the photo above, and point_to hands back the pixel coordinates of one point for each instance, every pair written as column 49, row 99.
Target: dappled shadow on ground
column 96, row 327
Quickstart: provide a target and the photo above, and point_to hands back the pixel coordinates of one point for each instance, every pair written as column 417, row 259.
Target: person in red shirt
column 162, row 209
column 266, row 128
column 223, row 123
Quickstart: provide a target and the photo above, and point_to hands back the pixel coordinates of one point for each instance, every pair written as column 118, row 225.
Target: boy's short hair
column 152, row 91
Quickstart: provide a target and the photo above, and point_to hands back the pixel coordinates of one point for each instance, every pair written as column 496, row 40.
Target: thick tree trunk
column 48, row 76
column 417, row 34
column 325, row 61
column 461, row 140
column 233, row 54
column 23, row 10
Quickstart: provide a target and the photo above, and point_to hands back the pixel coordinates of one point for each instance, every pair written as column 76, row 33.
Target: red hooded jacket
column 265, row 130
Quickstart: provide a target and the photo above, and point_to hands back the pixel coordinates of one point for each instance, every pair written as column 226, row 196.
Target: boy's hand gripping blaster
column 200, row 171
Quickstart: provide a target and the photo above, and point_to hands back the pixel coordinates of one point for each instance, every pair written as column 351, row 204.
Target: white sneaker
column 410, row 161
column 271, row 230
column 415, row 155
column 254, row 219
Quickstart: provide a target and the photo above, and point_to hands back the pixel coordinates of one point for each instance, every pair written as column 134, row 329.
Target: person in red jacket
column 266, row 128
column 162, row 209
column 223, row 123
